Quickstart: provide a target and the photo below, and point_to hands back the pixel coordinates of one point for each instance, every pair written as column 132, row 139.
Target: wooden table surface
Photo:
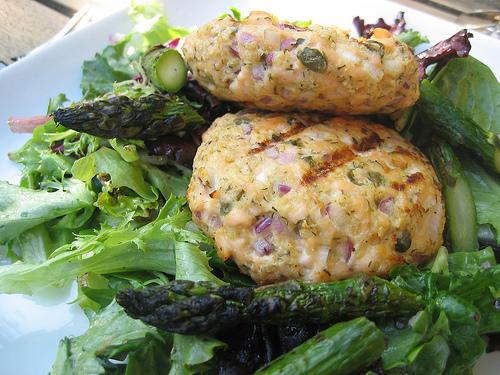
column 27, row 24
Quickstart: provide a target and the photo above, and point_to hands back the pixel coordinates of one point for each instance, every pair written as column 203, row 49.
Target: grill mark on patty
column 368, row 143
column 339, row 157
column 415, row 177
column 296, row 128
column 411, row 179
column 330, row 162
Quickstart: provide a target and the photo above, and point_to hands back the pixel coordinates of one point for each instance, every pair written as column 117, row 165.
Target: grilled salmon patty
column 265, row 64
column 313, row 197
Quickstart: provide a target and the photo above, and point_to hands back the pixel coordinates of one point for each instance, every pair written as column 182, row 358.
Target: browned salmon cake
column 265, row 64
column 317, row 198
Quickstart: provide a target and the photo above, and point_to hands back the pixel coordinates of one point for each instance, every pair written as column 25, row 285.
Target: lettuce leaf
column 110, row 250
column 113, row 335
column 122, row 174
column 412, row 37
column 116, row 62
column 460, row 290
column 22, row 209
column 473, row 87
column 192, row 354
column 40, row 163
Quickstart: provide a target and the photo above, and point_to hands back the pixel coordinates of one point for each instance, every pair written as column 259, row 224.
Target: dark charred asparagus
column 201, row 307
column 147, row 117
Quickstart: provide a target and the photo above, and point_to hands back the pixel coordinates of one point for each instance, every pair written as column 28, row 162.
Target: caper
column 403, row 241
column 313, row 59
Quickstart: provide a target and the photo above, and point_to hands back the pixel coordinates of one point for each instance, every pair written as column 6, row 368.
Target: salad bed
column 111, row 213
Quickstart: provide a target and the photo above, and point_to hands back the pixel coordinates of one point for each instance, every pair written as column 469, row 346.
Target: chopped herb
column 225, row 208
column 296, row 142
column 239, row 195
column 375, row 46
column 309, row 160
column 303, row 24
column 376, row 178
column 235, row 14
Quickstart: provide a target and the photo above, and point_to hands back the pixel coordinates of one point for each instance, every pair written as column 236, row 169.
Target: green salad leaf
column 473, row 88
column 110, row 250
column 40, row 163
column 460, row 290
column 116, row 62
column 113, row 335
column 191, row 354
column 412, row 37
column 22, row 209
column 121, row 174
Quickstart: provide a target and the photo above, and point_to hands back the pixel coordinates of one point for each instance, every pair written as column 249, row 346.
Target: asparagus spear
column 146, row 117
column 452, row 124
column 344, row 348
column 199, row 307
column 166, row 68
column 459, row 202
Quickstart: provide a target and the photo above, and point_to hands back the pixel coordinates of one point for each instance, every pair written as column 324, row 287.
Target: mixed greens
column 101, row 201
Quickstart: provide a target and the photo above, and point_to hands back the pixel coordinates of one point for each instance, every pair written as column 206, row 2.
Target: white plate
column 30, row 327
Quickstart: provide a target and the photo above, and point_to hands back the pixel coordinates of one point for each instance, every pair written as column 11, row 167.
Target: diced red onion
column 246, row 38
column 269, row 58
column 287, row 44
column 174, row 43
column 215, row 222
column 26, row 124
column 328, row 210
column 247, row 128
column 258, row 72
column 277, row 225
column 286, row 157
column 386, row 205
column 348, row 247
column 263, row 224
column 190, row 76
column 234, row 52
column 283, row 189
column 263, row 247
column 272, row 152
column 197, row 214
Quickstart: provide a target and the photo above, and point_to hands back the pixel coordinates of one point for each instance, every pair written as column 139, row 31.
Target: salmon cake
column 313, row 197
column 266, row 64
